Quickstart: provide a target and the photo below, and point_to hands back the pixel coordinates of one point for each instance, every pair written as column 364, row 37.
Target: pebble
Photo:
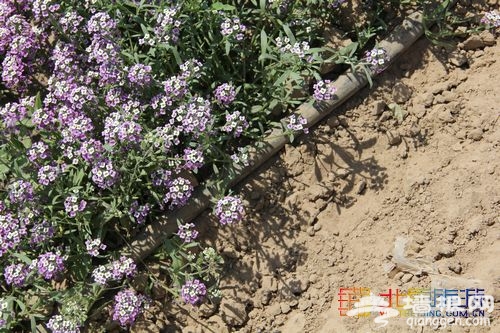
column 419, row 110
column 487, row 38
column 317, row 227
column 233, row 312
column 333, row 122
column 457, row 59
column 285, row 308
column 401, row 93
column 476, row 134
column 274, row 310
column 310, row 231
column 378, row 108
column 361, row 187
column 406, row 277
column 473, row 42
column 455, row 267
column 304, row 304
column 394, row 138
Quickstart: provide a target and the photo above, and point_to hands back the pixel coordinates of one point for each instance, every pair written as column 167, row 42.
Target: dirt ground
column 325, row 214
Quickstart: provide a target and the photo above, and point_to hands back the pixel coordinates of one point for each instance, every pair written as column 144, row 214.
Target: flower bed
column 113, row 111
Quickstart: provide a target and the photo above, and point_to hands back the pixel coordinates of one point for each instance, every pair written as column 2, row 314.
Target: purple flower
column 41, row 232
column 161, row 178
column 91, row 150
column 225, row 93
column 139, row 213
column 193, row 291
column 93, row 246
column 12, row 232
column 167, row 28
column 128, row 305
column 101, row 24
column 229, row 210
column 48, row 265
column 336, row 3
column 297, row 123
column 194, row 117
column 491, row 18
column 297, row 49
column 120, row 128
column 377, row 59
column 175, row 88
column 193, row 159
column 186, row 234
column 179, row 191
column 164, row 137
column 16, row 274
column 235, row 123
column 104, row 174
column 20, row 191
column 47, row 174
column 232, row 29
column 11, row 113
column 71, row 22
column 323, row 91
column 72, row 206
column 38, row 152
column 114, row 271
column 140, row 75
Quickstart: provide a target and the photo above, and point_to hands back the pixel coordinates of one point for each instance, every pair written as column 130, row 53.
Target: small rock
column 401, row 93
column 418, row 110
column 274, row 310
column 207, row 309
column 361, row 187
column 293, row 303
column 310, row 231
column 456, row 147
column 333, row 122
column 394, row 138
column 446, row 251
column 476, row 134
column 406, row 277
column 342, row 173
column 455, row 267
column 461, row 134
column 385, row 116
column 285, row 308
column 233, row 312
column 472, row 43
column 487, row 38
column 304, row 304
column 378, row 108
column 457, row 59
column 317, row 227
column 298, row 285
column 399, row 275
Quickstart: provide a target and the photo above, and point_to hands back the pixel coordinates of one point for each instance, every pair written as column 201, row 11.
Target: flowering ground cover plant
column 108, row 111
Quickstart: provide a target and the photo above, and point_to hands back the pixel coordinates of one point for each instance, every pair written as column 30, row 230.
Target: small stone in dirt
column 446, row 251
column 457, row 59
column 298, row 285
column 317, row 227
column 333, row 122
column 476, row 134
column 385, row 116
column 399, row 275
column 487, row 38
column 233, row 312
column 304, row 304
column 406, row 277
column 472, row 43
column 274, row 310
column 419, row 110
column 361, row 187
column 401, row 93
column 378, row 108
column 414, row 130
column 285, row 308
column 455, row 267
column 394, row 138
column 310, row 231
column 207, row 309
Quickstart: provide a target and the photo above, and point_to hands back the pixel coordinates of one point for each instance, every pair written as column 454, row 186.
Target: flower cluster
column 232, row 29
column 336, row 3
column 491, row 18
column 139, row 212
column 114, row 271
column 377, row 59
column 12, row 230
column 186, row 234
column 298, row 49
column 297, row 123
column 323, row 90
column 194, row 117
column 20, row 191
column 179, row 191
column 140, row 75
column 16, row 274
column 72, row 206
column 193, row 159
column 60, row 324
column 93, row 246
column 41, row 232
column 128, row 305
column 38, row 152
column 103, row 174
column 241, row 157
column 47, row 174
column 193, row 291
column 236, row 123
column 229, row 210
column 167, row 28
column 48, row 265
column 225, row 94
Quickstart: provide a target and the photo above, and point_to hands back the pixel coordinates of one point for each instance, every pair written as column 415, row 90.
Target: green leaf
column 263, row 43
column 398, row 112
column 220, row 6
column 228, row 47
column 289, row 33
